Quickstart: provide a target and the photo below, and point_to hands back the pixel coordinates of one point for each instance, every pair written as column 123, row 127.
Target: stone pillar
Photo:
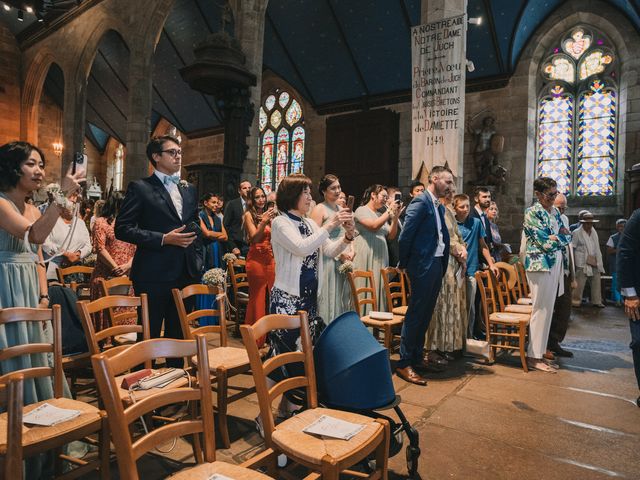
column 249, row 30
column 73, row 119
column 136, row 164
column 432, row 11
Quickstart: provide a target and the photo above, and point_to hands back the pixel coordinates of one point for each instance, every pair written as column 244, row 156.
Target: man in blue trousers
column 424, row 253
column 629, row 279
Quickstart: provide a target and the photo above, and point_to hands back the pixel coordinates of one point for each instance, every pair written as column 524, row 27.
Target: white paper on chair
column 334, row 427
column 380, row 315
column 219, row 476
column 48, row 415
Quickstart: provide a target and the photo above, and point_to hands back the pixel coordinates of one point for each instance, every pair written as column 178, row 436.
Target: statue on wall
column 488, row 145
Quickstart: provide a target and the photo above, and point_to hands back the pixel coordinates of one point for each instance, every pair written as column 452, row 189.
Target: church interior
column 258, row 89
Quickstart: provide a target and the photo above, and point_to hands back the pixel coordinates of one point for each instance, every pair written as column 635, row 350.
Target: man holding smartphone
column 158, row 215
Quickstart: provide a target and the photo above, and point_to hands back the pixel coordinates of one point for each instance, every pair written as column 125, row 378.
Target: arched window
column 282, row 139
column 577, row 113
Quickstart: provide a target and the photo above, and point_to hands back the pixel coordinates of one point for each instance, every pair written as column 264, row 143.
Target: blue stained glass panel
column 555, row 139
column 559, row 170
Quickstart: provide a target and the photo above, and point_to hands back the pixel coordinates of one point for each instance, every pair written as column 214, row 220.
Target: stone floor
column 497, row 422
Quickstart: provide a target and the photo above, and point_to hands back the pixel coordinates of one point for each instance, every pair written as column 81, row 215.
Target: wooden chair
column 323, row 455
column 198, row 422
column 116, row 285
column 240, row 289
column 524, row 293
column 39, row 439
column 86, row 311
column 11, row 395
column 507, row 290
column 504, row 330
column 393, row 280
column 83, row 288
column 224, row 361
column 366, row 295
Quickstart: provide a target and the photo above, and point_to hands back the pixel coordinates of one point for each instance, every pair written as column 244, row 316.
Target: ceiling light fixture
column 475, row 20
column 20, row 16
column 6, row 7
column 29, row 9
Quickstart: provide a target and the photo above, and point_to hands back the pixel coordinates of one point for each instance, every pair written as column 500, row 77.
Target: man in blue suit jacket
column 629, row 277
column 154, row 216
column 424, row 253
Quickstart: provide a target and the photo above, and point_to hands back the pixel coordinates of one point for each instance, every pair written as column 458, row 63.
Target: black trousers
column 561, row 316
column 163, row 308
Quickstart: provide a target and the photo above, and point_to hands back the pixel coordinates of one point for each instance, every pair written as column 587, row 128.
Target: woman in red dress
column 114, row 257
column 260, row 263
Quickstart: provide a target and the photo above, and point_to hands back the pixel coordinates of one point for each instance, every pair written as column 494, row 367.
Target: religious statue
column 488, row 145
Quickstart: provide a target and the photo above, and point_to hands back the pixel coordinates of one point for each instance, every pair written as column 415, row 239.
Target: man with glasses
column 159, row 215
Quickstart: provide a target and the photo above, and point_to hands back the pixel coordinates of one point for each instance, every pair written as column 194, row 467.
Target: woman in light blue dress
column 334, row 298
column 22, row 275
column 376, row 220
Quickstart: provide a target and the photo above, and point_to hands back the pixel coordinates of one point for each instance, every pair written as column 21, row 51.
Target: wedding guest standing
column 213, row 231
column 499, row 248
column 298, row 245
column 154, row 216
column 114, row 257
column 233, row 215
column 260, row 263
column 21, row 173
column 629, row 276
column 546, row 239
column 612, row 252
column 330, row 300
column 448, row 327
column 589, row 264
column 372, row 223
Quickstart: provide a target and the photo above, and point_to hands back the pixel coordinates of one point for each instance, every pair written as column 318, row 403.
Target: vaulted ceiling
column 334, row 52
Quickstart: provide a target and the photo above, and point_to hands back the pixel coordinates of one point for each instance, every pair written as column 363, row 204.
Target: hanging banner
column 438, row 88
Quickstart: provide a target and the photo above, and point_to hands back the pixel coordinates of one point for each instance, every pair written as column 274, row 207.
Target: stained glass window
column 577, row 119
column 281, row 153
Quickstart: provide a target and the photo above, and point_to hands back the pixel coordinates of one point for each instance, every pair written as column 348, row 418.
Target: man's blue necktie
column 171, row 179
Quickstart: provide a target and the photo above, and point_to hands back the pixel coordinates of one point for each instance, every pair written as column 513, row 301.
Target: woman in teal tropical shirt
column 546, row 241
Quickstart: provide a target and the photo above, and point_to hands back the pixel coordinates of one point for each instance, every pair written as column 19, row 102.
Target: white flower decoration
column 183, row 183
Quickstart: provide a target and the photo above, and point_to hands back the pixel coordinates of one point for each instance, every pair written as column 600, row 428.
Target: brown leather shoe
column 408, row 374
column 549, row 355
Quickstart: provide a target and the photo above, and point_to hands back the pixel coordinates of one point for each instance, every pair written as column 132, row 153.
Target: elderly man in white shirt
column 68, row 243
column 588, row 257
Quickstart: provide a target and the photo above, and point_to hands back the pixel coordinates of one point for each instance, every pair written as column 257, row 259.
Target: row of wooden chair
column 324, row 456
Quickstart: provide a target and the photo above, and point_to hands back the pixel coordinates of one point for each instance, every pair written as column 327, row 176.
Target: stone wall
column 50, row 132
column 9, row 86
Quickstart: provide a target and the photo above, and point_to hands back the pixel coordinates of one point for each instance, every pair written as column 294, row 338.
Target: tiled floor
column 497, row 422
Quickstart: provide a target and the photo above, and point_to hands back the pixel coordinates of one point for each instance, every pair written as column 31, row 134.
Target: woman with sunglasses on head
column 545, row 260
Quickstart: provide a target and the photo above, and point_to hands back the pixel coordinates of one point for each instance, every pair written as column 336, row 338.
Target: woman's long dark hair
column 111, row 206
column 251, row 206
column 375, row 188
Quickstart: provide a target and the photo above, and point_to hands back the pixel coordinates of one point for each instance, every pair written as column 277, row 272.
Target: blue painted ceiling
column 331, row 51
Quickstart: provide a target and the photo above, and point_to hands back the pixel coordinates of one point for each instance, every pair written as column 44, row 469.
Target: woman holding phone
column 261, row 270
column 332, row 285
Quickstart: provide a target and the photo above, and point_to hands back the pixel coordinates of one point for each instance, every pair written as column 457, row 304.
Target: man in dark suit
column 233, row 221
column 424, row 253
column 482, row 199
column 159, row 215
column 629, row 276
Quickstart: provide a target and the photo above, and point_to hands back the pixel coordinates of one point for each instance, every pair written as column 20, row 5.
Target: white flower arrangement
column 183, row 183
column 216, row 277
column 53, row 188
column 229, row 257
column 90, row 260
column 345, row 267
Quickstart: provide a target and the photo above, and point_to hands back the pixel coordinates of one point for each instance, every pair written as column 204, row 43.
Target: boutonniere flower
column 183, row 183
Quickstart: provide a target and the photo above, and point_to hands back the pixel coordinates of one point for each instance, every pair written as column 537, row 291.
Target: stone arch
column 625, row 40
column 33, row 84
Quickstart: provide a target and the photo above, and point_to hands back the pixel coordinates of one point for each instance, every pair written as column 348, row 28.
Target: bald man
column 562, row 307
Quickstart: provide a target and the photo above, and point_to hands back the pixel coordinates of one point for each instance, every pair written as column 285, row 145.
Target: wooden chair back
column 488, row 294
column 407, row 284
column 53, row 315
column 11, row 399
column 266, row 394
column 523, row 284
column 117, row 286
column 394, row 287
column 189, row 321
column 74, row 285
column 363, row 296
column 129, row 450
column 238, row 274
column 86, row 311
column 509, row 279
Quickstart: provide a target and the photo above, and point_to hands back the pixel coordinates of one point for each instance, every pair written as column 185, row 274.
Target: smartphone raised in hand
column 79, row 165
column 350, row 201
column 398, row 197
column 193, row 227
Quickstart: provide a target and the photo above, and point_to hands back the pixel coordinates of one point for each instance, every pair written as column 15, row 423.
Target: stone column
column 432, row 11
column 73, row 119
column 249, row 30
